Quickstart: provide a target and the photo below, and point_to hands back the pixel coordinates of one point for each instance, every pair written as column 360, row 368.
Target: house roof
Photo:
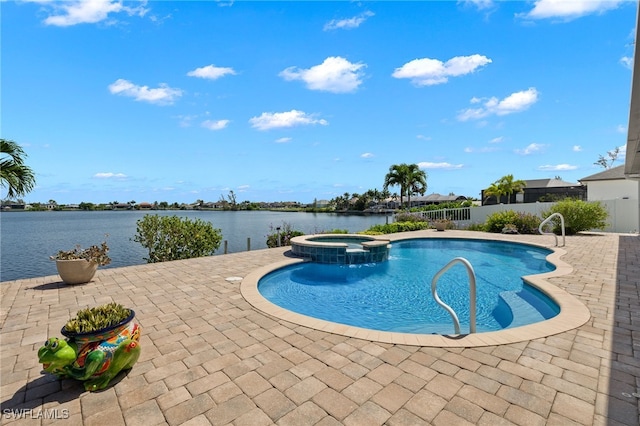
column 548, row 183
column 438, row 198
column 614, row 173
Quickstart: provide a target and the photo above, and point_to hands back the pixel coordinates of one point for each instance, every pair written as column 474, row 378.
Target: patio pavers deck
column 208, row 357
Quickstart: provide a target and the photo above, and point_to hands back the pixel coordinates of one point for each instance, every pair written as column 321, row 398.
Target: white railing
column 456, row 215
column 472, row 294
column 547, row 220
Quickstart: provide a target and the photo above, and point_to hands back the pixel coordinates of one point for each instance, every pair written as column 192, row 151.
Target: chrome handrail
column 472, row 294
column 544, row 222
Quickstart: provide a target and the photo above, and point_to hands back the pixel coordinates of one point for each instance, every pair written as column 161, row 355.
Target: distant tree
column 493, row 191
column 608, row 161
column 409, row 178
column 17, row 177
column 509, row 186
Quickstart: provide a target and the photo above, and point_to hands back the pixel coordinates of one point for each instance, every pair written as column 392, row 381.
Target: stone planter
column 95, row 358
column 76, row 271
column 440, row 226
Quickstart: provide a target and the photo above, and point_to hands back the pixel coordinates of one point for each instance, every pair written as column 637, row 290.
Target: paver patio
column 209, row 357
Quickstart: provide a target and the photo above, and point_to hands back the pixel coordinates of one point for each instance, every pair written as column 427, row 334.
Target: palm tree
column 14, row 174
column 409, row 178
column 397, row 177
column 416, row 181
column 494, row 191
column 509, row 186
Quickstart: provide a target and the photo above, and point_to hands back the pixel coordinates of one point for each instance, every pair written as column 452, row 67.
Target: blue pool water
column 396, row 295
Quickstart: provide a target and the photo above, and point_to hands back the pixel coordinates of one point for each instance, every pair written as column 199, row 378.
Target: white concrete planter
column 76, row 271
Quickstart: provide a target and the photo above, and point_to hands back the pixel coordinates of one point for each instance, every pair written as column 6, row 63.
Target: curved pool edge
column 573, row 313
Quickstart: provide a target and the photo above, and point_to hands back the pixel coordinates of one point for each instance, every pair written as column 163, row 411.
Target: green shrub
column 525, row 223
column 476, row 227
column 286, row 233
column 335, row 231
column 394, row 227
column 173, row 238
column 410, row 217
column 578, row 216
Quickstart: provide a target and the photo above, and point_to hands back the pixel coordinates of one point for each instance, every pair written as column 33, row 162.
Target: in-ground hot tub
column 344, row 249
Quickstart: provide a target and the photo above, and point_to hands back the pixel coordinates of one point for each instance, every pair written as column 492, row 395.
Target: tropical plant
column 578, row 215
column 608, row 162
column 409, row 178
column 281, row 235
column 173, row 238
column 494, row 190
column 17, row 177
column 394, row 227
column 97, row 318
column 525, row 223
column 98, row 254
column 509, row 186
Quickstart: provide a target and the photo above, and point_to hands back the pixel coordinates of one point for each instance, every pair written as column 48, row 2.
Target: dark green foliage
column 97, row 318
column 335, row 231
column 286, row 233
column 394, row 227
column 410, row 217
column 526, row 223
column 578, row 216
column 173, row 238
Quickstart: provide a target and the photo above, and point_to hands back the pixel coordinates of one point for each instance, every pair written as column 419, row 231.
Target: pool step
column 523, row 312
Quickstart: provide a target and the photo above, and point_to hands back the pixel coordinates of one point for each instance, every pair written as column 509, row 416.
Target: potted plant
column 101, row 342
column 79, row 265
column 441, row 224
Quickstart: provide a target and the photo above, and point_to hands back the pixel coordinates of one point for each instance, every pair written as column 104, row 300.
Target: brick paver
column 208, row 357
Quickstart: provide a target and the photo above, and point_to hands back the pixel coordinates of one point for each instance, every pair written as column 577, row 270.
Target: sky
column 181, row 101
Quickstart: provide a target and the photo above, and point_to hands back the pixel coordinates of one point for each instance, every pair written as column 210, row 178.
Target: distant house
column 540, row 190
column 145, row 206
column 425, row 200
column 121, row 206
column 610, row 185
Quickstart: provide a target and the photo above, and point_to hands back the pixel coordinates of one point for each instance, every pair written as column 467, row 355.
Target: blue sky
column 276, row 101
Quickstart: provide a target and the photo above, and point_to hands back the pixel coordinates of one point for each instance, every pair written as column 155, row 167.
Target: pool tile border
column 573, row 313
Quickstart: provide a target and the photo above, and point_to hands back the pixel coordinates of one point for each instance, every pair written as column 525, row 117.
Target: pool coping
column 573, row 313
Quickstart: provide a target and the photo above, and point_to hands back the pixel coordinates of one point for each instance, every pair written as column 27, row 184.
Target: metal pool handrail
column 544, row 222
column 472, row 294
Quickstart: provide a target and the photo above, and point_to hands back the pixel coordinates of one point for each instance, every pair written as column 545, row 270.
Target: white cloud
column 531, row 149
column 283, row 140
column 211, row 72
column 109, row 175
column 480, row 4
column 497, row 140
column 483, row 149
column 627, row 62
column 557, row 167
column 75, row 12
column 428, row 165
column 335, row 74
column 274, row 120
column 577, row 148
column 366, row 155
column 163, row 95
column 569, row 9
column 423, row 137
column 621, row 128
column 516, row 102
column 428, row 72
column 349, row 23
column 215, row 124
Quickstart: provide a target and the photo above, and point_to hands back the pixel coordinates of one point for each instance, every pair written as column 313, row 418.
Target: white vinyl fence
column 623, row 214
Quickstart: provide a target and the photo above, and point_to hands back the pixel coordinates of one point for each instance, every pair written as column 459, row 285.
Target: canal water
column 29, row 238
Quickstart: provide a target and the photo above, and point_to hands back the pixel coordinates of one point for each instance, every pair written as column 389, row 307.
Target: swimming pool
column 396, row 295
column 573, row 313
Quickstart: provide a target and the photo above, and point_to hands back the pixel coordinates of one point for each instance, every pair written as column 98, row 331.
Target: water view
column 29, row 238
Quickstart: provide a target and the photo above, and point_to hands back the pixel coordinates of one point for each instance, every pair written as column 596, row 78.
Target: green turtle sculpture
column 94, row 360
